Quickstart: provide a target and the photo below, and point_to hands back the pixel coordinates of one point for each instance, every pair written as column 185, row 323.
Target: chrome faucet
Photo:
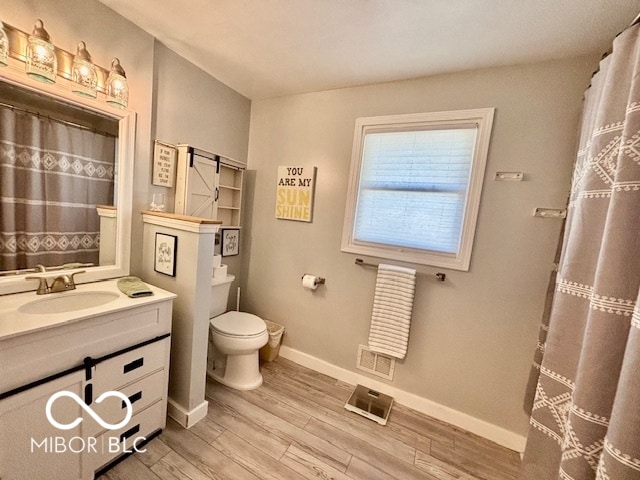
column 61, row 283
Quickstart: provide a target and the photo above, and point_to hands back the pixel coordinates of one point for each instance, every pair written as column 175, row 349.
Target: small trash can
column 270, row 351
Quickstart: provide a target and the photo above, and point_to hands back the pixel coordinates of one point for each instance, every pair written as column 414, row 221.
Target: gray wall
column 194, row 108
column 472, row 337
column 190, row 106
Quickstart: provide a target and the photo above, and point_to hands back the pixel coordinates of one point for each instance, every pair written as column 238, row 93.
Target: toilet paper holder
column 319, row 280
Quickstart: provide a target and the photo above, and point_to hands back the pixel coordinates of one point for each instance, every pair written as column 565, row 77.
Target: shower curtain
column 52, row 176
column 585, row 421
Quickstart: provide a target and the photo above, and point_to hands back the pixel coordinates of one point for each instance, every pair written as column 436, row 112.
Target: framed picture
column 164, row 161
column 165, row 254
column 229, row 241
column 295, row 192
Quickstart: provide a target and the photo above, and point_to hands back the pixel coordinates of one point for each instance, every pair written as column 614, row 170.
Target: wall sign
column 294, row 194
column 230, row 242
column 164, row 161
column 165, row 254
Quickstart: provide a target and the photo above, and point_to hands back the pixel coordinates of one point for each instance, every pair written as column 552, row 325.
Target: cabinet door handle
column 133, row 399
column 88, row 393
column 133, row 365
column 132, row 431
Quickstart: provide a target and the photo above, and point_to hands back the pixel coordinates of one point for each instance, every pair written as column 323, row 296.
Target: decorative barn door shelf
column 209, row 186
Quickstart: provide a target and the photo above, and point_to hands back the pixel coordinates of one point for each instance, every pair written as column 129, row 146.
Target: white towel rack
column 441, row 276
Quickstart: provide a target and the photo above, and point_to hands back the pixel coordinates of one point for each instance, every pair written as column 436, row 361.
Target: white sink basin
column 67, row 302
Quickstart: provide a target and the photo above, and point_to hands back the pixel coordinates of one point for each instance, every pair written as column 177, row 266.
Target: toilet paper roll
column 310, row 282
column 220, row 272
column 217, row 260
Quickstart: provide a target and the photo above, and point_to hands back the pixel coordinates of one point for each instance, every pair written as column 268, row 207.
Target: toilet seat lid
column 239, row 323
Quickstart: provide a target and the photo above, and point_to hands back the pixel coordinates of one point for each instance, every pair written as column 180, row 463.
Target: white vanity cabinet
column 141, row 374
column 28, row 442
column 124, row 348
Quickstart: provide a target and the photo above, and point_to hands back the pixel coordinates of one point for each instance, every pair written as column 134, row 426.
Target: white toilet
column 234, row 341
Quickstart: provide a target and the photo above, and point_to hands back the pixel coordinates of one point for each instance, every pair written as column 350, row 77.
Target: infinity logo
column 88, row 409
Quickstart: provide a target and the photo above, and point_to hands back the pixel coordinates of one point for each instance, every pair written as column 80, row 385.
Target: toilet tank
column 219, row 295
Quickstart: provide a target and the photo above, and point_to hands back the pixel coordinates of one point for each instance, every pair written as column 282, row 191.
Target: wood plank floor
column 295, row 427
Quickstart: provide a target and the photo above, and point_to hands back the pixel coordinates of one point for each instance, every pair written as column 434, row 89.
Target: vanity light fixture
column 84, row 73
column 41, row 63
column 4, row 47
column 116, row 87
column 45, row 62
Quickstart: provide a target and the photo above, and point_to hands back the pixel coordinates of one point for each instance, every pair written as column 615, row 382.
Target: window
column 415, row 186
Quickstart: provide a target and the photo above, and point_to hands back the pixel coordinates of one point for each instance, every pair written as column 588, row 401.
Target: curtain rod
column 64, row 122
column 608, row 52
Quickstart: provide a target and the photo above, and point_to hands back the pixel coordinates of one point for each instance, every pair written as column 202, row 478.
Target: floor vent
column 375, row 363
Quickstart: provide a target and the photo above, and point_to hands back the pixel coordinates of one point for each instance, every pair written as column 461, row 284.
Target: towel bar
column 441, row 276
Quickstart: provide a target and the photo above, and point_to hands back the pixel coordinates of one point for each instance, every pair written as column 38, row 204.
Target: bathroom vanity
column 61, row 352
column 84, row 342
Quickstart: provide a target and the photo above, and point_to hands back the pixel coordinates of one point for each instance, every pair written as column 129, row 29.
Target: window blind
column 413, row 188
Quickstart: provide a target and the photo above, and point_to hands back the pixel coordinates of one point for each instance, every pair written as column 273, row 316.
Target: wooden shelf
column 230, row 198
column 184, row 218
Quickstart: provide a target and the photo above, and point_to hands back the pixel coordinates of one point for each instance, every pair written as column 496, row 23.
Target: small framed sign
column 165, row 254
column 294, row 193
column 229, row 242
column 164, row 161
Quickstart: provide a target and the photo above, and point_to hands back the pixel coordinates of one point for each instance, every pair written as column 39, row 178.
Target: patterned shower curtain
column 52, row 176
column 585, row 421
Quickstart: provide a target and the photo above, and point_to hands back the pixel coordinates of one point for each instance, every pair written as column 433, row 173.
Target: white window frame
column 483, row 119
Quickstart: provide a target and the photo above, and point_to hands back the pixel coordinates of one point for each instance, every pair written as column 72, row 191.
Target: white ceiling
column 267, row 48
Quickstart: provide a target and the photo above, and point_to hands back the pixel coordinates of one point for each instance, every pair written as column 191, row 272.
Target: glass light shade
column 41, row 63
column 116, row 86
column 84, row 74
column 4, row 47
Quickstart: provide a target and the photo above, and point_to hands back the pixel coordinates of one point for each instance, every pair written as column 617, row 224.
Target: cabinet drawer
column 114, row 443
column 141, row 394
column 128, row 367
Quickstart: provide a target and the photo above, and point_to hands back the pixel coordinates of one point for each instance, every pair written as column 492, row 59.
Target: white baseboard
column 187, row 418
column 487, row 430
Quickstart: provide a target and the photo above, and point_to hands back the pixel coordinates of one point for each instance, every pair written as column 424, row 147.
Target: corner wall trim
column 487, row 430
column 187, row 418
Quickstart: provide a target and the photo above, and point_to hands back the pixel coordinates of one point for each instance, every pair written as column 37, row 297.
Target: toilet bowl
column 234, row 341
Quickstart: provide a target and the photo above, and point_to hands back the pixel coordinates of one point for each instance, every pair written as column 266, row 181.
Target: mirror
column 66, row 176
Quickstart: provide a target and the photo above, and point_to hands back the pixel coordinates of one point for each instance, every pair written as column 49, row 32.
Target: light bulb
column 4, row 47
column 116, row 86
column 84, row 74
column 41, row 63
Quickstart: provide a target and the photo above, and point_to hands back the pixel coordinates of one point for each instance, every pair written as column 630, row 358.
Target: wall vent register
column 375, row 363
